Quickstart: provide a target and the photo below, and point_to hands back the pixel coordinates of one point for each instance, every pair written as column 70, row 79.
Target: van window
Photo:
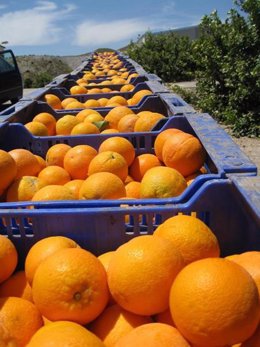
column 7, row 62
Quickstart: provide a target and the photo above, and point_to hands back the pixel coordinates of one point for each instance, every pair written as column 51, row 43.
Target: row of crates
column 226, row 197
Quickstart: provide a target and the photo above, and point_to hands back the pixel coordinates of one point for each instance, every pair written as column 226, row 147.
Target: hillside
column 38, row 70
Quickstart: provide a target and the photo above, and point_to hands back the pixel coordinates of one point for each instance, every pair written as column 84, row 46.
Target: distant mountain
column 38, row 70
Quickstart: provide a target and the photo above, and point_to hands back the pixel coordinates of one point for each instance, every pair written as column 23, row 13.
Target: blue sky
column 76, row 26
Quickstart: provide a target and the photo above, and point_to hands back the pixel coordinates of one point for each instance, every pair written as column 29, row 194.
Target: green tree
column 228, row 66
column 166, row 54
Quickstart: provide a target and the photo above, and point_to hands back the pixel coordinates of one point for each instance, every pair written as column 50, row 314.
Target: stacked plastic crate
column 226, row 196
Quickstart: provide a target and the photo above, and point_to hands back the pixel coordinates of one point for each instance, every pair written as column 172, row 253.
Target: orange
column 140, row 274
column 78, row 90
column 8, row 170
column 120, row 145
column 111, row 72
column 127, row 123
column 53, row 100
column 8, row 258
column 160, row 140
column 92, row 103
column 141, row 164
column 53, row 192
column 138, row 96
column 189, row 179
column 65, row 124
column 133, row 75
column 116, row 114
column 41, row 161
column 48, row 120
column 67, row 101
column 16, row 285
column 118, row 99
column 43, row 249
column 153, row 335
column 124, row 74
column 214, row 302
column 70, row 285
column 26, row 163
column 113, row 104
column 250, row 261
column 88, row 76
column 20, row 319
column 46, row 321
column 109, row 131
column 24, row 188
column 118, row 80
column 64, row 334
column 84, row 128
column 184, row 153
column 254, row 340
column 56, row 154
column 133, row 189
column 162, row 182
column 127, row 88
column 103, row 102
column 54, row 175
column 107, row 90
column 164, row 317
column 74, row 105
column 114, row 323
column 94, row 117
column 102, row 185
column 84, row 113
column 74, row 186
column 109, row 161
column 36, row 128
column 191, row 236
column 128, row 179
column 77, row 160
column 147, row 120
column 105, row 258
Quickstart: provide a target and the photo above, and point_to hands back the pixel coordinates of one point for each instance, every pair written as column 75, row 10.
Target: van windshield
column 7, row 62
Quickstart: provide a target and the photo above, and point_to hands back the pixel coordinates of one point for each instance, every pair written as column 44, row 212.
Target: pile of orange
column 71, row 102
column 167, row 289
column 120, row 118
column 112, row 171
column 111, row 72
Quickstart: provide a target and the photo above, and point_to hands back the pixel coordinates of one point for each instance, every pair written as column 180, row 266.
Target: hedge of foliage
column 225, row 61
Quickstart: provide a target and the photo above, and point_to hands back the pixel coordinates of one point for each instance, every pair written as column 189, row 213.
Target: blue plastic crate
column 229, row 207
column 67, row 83
column 133, row 80
column 223, row 158
column 166, row 103
column 64, row 93
column 25, row 110
column 88, row 66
